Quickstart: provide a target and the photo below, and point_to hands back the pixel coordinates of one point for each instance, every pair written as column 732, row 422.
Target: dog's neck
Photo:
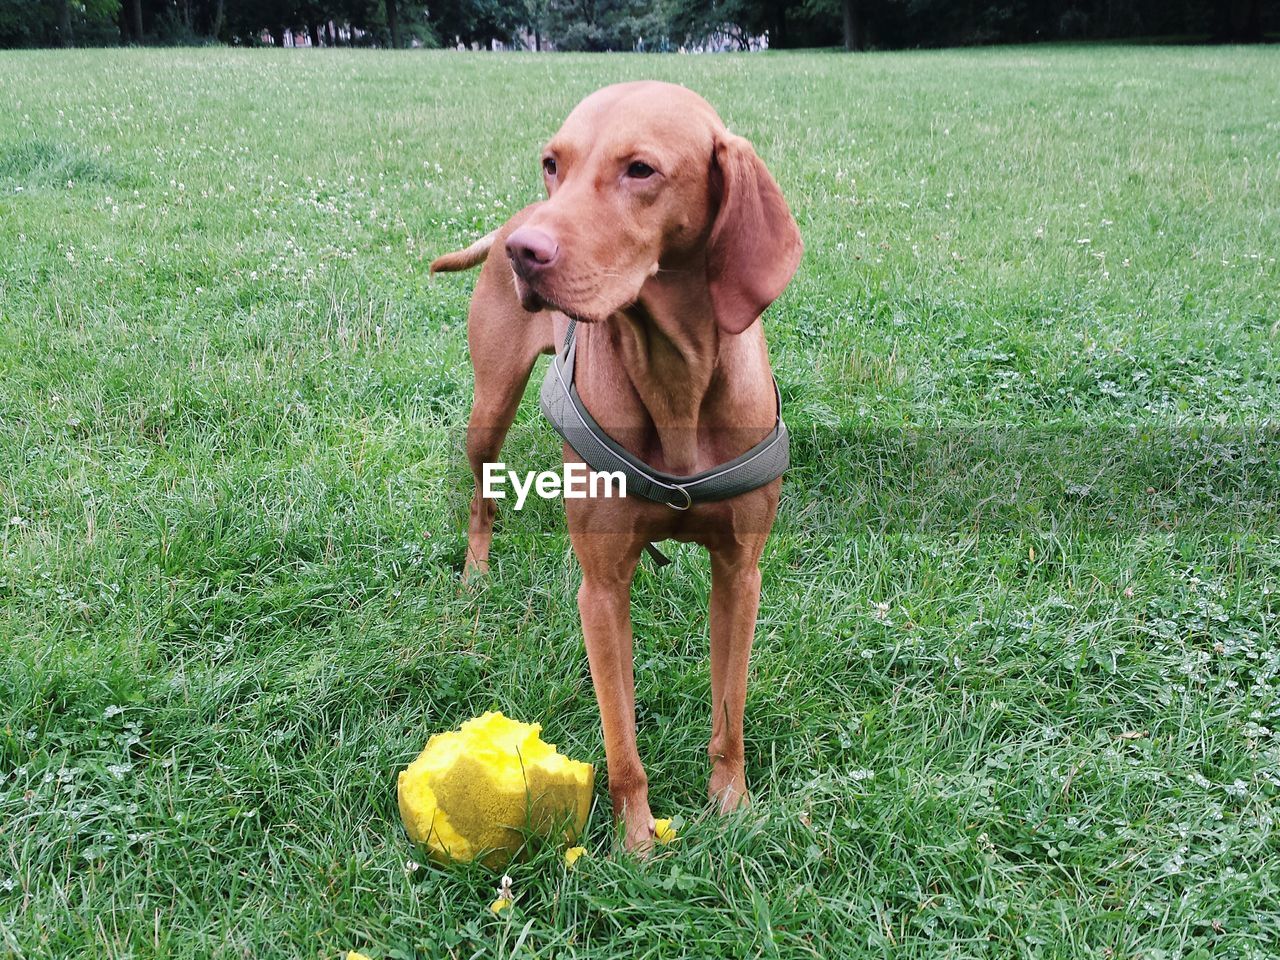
column 670, row 359
column 683, row 375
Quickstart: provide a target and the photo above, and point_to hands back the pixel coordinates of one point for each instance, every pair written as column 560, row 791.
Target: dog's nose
column 531, row 250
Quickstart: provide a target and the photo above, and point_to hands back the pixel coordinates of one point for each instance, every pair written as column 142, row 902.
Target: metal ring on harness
column 688, row 499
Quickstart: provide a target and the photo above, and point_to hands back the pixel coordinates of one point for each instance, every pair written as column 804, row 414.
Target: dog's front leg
column 604, row 602
column 735, row 601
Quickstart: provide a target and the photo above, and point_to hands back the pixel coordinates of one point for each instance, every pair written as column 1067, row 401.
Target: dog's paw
column 474, row 572
column 638, row 840
column 636, row 825
column 727, row 789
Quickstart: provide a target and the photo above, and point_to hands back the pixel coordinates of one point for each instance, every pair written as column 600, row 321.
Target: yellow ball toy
column 473, row 791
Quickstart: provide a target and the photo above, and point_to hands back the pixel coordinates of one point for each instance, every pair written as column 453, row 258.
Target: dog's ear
column 755, row 246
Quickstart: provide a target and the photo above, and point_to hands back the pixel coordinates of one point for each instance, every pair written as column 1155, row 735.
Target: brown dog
column 664, row 235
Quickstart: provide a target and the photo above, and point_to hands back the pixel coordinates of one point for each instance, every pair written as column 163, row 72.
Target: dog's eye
column 549, row 166
column 640, row 171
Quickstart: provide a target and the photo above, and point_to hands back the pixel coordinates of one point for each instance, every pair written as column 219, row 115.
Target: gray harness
column 561, row 404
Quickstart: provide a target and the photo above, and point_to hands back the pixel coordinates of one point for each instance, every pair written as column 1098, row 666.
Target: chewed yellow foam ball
column 472, row 791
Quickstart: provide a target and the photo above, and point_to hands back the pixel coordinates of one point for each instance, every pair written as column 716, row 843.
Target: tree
column 603, row 24
column 47, row 23
column 475, row 21
column 1242, row 21
column 393, row 22
column 532, row 16
column 695, row 21
column 65, row 36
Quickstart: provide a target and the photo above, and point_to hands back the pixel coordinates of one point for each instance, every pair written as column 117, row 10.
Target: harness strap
column 659, row 558
column 561, row 404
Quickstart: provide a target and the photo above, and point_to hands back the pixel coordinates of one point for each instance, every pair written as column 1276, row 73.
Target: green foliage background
column 598, row 25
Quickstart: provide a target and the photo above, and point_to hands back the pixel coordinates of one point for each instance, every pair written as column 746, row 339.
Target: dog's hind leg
column 499, row 388
column 503, row 350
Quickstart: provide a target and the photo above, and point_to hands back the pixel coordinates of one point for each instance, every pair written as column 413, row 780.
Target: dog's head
column 642, row 178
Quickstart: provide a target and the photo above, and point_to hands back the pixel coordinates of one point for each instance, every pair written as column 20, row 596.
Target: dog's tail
column 464, row 259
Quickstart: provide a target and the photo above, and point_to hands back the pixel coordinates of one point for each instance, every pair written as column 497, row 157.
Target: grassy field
column 1016, row 689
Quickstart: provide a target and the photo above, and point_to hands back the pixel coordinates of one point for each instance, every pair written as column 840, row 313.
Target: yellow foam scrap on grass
column 473, row 790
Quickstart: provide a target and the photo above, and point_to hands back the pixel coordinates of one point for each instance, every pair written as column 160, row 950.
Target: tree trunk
column 333, row 40
column 778, row 25
column 64, row 23
column 277, row 35
column 135, row 20
column 219, row 16
column 1238, row 21
column 393, row 23
column 1246, row 21
column 849, row 12
column 314, row 32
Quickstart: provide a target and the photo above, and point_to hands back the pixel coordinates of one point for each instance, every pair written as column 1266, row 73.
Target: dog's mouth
column 534, row 300
column 530, row 299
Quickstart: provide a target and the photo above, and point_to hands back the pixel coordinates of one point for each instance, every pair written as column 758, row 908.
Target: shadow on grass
column 953, row 479
column 1006, row 479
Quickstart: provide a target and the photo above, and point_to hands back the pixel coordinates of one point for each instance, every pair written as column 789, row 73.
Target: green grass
column 1014, row 692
